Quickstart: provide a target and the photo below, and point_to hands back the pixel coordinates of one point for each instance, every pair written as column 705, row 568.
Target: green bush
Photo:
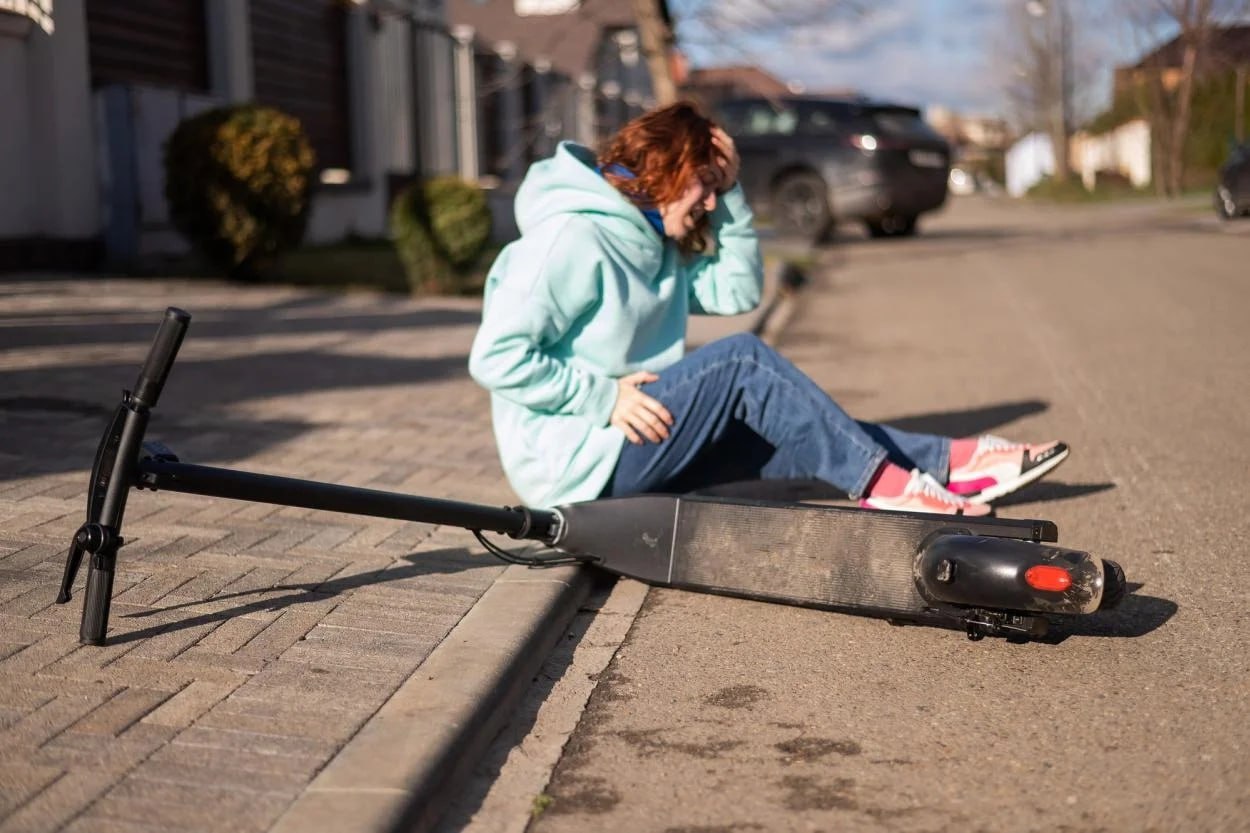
column 441, row 228
column 237, row 180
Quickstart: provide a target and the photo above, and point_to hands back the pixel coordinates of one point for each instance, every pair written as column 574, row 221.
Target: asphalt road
column 1120, row 329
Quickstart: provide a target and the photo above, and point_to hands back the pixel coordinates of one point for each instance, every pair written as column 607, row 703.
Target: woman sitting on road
column 583, row 334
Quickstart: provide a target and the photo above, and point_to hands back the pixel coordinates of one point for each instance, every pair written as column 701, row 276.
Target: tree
column 1038, row 56
column 1165, row 79
column 656, row 39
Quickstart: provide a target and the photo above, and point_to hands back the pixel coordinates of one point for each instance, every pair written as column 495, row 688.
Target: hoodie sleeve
column 731, row 280
column 537, row 295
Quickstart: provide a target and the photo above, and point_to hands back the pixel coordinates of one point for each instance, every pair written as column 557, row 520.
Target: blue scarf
column 652, row 214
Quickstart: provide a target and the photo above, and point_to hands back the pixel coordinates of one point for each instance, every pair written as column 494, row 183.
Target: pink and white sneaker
column 924, row 494
column 998, row 467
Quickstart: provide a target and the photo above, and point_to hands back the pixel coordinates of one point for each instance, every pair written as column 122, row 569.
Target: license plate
column 926, row 158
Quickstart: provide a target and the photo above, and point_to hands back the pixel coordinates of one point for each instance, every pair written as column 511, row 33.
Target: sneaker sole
column 999, row 489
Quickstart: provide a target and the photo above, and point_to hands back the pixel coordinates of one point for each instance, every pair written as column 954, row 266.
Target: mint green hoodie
column 589, row 293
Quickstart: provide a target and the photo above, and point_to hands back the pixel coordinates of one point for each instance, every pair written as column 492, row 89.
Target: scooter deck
column 832, row 557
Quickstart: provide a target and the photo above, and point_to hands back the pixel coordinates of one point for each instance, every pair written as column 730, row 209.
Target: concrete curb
column 407, row 762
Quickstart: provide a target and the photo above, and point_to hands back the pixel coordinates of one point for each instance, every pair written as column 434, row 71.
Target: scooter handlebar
column 161, row 357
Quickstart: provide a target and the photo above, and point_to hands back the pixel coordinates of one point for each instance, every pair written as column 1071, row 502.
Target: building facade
column 387, row 90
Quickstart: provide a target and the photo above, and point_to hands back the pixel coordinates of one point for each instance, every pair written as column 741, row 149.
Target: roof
column 742, row 80
column 1230, row 45
column 569, row 40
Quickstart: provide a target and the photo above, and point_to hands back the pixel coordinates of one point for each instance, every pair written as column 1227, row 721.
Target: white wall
column 48, row 164
column 360, row 207
column 1125, row 151
column 1028, row 161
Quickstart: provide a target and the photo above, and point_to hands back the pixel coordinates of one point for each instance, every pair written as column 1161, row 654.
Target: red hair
column 665, row 149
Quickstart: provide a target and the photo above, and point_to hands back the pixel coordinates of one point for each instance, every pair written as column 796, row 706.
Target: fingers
column 638, row 424
column 728, row 158
column 637, row 415
column 649, row 424
column 641, row 377
column 647, row 416
column 653, row 405
column 656, row 411
column 627, row 430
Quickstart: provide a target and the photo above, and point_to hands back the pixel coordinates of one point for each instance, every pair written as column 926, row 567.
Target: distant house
column 1228, row 49
column 711, row 84
column 388, row 90
column 549, row 70
column 1120, row 141
column 98, row 85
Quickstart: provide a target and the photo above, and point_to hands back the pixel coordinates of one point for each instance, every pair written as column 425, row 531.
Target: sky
column 921, row 52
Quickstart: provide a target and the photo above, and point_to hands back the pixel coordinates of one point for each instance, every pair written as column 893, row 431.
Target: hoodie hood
column 568, row 183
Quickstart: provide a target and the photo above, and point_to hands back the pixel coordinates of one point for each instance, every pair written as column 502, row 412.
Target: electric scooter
column 986, row 576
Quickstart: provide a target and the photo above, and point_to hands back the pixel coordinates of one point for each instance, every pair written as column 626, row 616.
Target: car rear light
column 864, row 141
column 1048, row 577
column 870, row 142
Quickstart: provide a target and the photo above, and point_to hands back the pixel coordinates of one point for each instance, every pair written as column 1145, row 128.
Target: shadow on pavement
column 1051, row 490
column 445, row 561
column 137, row 325
column 857, row 238
column 53, row 415
column 1136, row 615
column 50, row 433
column 969, row 422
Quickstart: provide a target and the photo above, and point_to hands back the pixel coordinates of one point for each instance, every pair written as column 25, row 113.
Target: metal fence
column 487, row 114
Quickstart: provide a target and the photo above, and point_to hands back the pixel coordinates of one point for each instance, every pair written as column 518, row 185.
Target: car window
column 900, row 122
column 757, row 118
column 822, row 118
column 730, row 117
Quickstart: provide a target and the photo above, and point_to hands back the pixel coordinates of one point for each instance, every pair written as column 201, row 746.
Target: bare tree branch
column 1037, row 56
column 1165, row 79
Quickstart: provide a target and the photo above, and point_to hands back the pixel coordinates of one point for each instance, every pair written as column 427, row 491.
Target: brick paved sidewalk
column 248, row 643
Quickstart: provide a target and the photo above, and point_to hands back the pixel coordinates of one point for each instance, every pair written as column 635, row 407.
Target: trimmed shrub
column 237, row 180
column 441, row 228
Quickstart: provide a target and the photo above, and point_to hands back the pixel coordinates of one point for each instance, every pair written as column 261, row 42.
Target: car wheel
column 1225, row 205
column 893, row 225
column 801, row 206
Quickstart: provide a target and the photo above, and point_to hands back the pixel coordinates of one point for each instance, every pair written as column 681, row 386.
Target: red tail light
column 1048, row 577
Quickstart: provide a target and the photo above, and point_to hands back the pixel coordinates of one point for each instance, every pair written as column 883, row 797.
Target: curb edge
column 407, row 761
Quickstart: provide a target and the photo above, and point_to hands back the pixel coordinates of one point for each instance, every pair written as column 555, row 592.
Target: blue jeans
column 742, row 411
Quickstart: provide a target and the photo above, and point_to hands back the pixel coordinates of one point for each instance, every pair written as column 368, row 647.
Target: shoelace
column 929, row 487
column 990, row 442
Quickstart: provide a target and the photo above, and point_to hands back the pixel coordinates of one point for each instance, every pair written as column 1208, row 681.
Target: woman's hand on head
column 637, row 415
column 727, row 160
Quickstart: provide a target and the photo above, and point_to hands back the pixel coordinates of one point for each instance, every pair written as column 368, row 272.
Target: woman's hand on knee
column 638, row 415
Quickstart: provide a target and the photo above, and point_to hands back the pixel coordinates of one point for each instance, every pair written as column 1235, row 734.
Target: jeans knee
column 744, row 344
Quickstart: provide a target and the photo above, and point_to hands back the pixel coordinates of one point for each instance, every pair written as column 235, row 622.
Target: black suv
column 812, row 162
column 1232, row 194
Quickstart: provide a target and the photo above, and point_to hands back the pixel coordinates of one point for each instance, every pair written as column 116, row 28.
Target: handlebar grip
column 161, row 357
column 96, row 601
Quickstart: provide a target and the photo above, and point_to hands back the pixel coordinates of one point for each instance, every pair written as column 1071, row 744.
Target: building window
column 160, row 43
column 299, row 59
